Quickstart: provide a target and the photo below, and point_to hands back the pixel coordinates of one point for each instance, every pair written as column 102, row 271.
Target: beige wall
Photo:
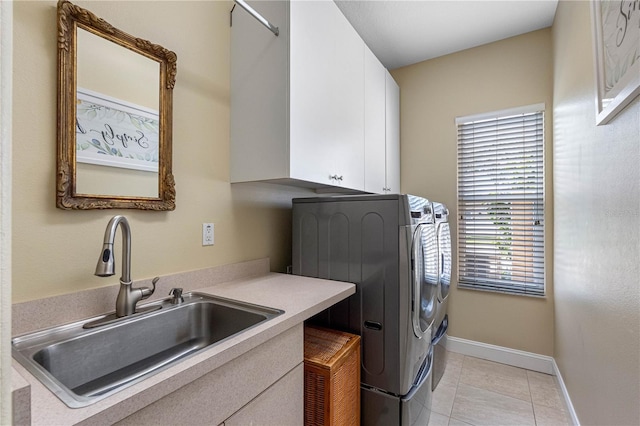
column 55, row 251
column 505, row 74
column 597, row 234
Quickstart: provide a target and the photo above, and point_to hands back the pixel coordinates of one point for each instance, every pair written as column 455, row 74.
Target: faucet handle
column 176, row 294
column 146, row 291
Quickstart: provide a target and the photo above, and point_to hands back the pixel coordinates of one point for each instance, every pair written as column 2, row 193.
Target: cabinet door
column 326, row 96
column 392, row 143
column 259, row 94
column 280, row 404
column 374, row 119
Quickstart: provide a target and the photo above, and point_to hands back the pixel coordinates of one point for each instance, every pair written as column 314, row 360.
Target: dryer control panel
column 421, row 210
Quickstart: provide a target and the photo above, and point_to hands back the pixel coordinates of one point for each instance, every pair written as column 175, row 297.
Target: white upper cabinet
column 374, row 131
column 300, row 101
column 327, row 96
column 382, row 128
column 392, row 133
column 260, row 95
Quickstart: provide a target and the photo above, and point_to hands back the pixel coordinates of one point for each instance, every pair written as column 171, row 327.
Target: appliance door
column 439, row 347
column 424, row 261
column 444, row 255
column 380, row 408
column 415, row 407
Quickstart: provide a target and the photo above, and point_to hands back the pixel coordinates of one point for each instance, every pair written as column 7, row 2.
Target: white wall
column 597, row 234
column 6, row 50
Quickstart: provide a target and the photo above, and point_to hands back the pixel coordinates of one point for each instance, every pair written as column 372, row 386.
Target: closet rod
column 259, row 17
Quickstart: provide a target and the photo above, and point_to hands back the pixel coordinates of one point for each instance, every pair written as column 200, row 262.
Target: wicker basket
column 331, row 377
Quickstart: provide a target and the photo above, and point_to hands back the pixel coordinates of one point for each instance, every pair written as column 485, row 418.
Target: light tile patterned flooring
column 477, row 392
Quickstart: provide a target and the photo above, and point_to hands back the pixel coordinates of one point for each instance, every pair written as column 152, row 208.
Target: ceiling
column 404, row 32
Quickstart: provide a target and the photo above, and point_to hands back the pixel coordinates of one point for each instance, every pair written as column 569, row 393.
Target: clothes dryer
column 387, row 246
column 441, row 324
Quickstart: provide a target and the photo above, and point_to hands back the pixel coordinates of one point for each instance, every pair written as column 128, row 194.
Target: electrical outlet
column 207, row 234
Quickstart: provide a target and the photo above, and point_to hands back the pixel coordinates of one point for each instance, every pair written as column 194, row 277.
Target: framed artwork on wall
column 616, row 30
column 116, row 133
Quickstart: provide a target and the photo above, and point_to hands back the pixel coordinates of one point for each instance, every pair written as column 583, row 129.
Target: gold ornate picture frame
column 70, row 19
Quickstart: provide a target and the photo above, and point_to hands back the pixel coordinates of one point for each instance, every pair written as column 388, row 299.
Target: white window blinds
column 501, row 201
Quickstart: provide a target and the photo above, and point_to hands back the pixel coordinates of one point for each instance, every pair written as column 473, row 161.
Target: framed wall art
column 616, row 29
column 116, row 133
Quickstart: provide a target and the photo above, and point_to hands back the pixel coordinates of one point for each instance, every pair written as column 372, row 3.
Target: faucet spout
column 128, row 296
column 106, row 262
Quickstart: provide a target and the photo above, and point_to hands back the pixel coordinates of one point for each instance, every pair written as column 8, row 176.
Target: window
column 501, row 201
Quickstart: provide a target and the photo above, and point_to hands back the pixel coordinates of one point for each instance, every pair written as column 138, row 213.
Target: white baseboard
column 528, row 360
column 514, row 357
column 565, row 394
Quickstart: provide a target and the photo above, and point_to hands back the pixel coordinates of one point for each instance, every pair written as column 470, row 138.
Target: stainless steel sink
column 83, row 365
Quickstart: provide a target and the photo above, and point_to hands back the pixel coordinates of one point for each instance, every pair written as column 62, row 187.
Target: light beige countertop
column 299, row 298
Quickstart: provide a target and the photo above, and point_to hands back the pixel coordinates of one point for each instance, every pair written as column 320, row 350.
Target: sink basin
column 83, row 365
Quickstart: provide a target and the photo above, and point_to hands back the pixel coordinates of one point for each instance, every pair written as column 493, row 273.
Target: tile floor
column 474, row 391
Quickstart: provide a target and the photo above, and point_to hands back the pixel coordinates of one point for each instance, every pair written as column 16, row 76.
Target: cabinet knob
column 335, row 177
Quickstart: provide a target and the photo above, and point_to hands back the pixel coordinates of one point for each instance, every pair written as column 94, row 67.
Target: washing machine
column 441, row 322
column 387, row 246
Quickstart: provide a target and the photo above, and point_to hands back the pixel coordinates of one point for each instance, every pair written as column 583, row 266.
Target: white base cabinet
column 312, row 107
column 280, row 404
column 267, row 381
